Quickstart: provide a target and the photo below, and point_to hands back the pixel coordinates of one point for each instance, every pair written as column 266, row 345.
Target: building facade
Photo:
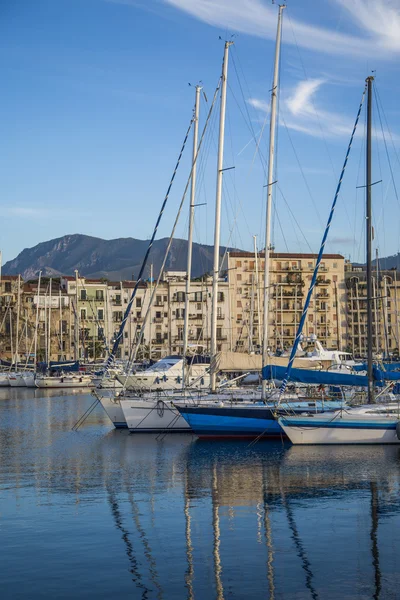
column 290, row 277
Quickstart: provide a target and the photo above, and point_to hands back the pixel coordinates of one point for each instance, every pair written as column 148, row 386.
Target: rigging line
column 112, row 354
column 294, row 219
column 387, row 125
column 302, row 172
column 386, row 148
column 177, row 216
column 280, row 227
column 311, row 99
column 360, row 162
column 249, row 124
column 246, row 104
column 319, row 259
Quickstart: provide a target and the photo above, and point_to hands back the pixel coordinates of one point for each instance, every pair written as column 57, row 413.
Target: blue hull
column 224, row 422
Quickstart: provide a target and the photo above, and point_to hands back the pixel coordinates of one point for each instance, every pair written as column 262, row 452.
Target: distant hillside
column 113, row 259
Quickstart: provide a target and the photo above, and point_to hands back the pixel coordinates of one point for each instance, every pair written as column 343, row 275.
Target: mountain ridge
column 116, row 259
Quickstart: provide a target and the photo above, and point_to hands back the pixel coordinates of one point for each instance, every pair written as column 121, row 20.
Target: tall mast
column 217, row 231
column 49, row 327
column 76, row 328
column 257, row 289
column 369, row 81
column 190, row 233
column 37, row 316
column 17, row 331
column 271, row 162
column 61, row 329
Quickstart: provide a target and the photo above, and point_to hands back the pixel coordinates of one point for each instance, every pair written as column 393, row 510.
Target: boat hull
column 224, row 422
column 63, row 382
column 152, row 416
column 16, row 380
column 339, row 430
column 112, row 407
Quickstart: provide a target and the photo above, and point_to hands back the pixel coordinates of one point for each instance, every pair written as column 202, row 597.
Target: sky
column 95, row 104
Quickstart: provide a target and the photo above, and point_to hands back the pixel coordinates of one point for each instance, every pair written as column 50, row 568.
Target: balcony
column 220, row 317
column 116, row 302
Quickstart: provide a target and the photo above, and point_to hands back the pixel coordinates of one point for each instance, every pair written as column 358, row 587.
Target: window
column 158, row 300
column 100, row 314
column 158, row 315
column 180, row 296
column 220, row 297
column 238, row 264
column 310, row 265
column 100, row 332
column 83, row 295
column 7, row 287
column 83, row 313
column 125, row 334
column 138, row 314
column 199, row 333
column 335, row 265
column 117, row 298
column 99, row 295
column 199, row 307
column 138, row 302
column 219, row 333
column 239, row 290
column 198, row 296
column 334, row 277
column 238, row 304
column 238, row 277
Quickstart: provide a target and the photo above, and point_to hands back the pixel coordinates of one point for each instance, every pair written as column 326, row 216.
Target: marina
column 200, row 390
column 99, row 512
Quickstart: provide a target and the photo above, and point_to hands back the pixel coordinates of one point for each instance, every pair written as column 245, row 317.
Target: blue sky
column 95, row 104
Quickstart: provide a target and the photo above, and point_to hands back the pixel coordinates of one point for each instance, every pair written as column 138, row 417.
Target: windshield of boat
column 164, row 364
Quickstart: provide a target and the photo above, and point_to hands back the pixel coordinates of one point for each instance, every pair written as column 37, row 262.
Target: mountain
column 112, row 259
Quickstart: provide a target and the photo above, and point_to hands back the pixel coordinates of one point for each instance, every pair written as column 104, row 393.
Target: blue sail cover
column 328, row 377
column 393, row 366
column 315, row 377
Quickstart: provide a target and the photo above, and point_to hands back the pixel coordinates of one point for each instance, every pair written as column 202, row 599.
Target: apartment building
column 290, row 277
column 385, row 315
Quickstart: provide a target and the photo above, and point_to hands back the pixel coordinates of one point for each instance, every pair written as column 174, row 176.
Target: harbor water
column 100, row 513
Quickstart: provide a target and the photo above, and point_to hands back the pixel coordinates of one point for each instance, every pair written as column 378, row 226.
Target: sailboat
column 369, row 425
column 218, row 417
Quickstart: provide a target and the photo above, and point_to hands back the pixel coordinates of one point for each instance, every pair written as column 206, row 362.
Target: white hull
column 29, row 380
column 112, row 406
column 343, row 428
column 4, row 380
column 16, row 380
column 152, row 415
column 63, row 382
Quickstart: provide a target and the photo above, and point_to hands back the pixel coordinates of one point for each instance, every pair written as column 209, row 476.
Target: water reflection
column 193, row 519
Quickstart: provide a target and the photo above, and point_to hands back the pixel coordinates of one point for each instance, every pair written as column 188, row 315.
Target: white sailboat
column 66, row 380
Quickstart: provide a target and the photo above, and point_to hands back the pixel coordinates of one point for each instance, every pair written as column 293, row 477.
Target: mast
column 151, row 296
column 190, row 233
column 61, row 328
column 217, row 231
column 257, row 290
column 76, row 328
column 37, row 316
column 49, row 327
column 18, row 311
column 271, row 161
column 369, row 81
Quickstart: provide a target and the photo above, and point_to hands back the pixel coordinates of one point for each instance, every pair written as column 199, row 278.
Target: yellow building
column 290, row 277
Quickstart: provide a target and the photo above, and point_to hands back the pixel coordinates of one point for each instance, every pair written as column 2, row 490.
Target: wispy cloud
column 377, row 20
column 300, row 101
column 300, row 112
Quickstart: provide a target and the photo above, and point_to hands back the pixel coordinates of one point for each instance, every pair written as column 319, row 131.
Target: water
column 99, row 513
